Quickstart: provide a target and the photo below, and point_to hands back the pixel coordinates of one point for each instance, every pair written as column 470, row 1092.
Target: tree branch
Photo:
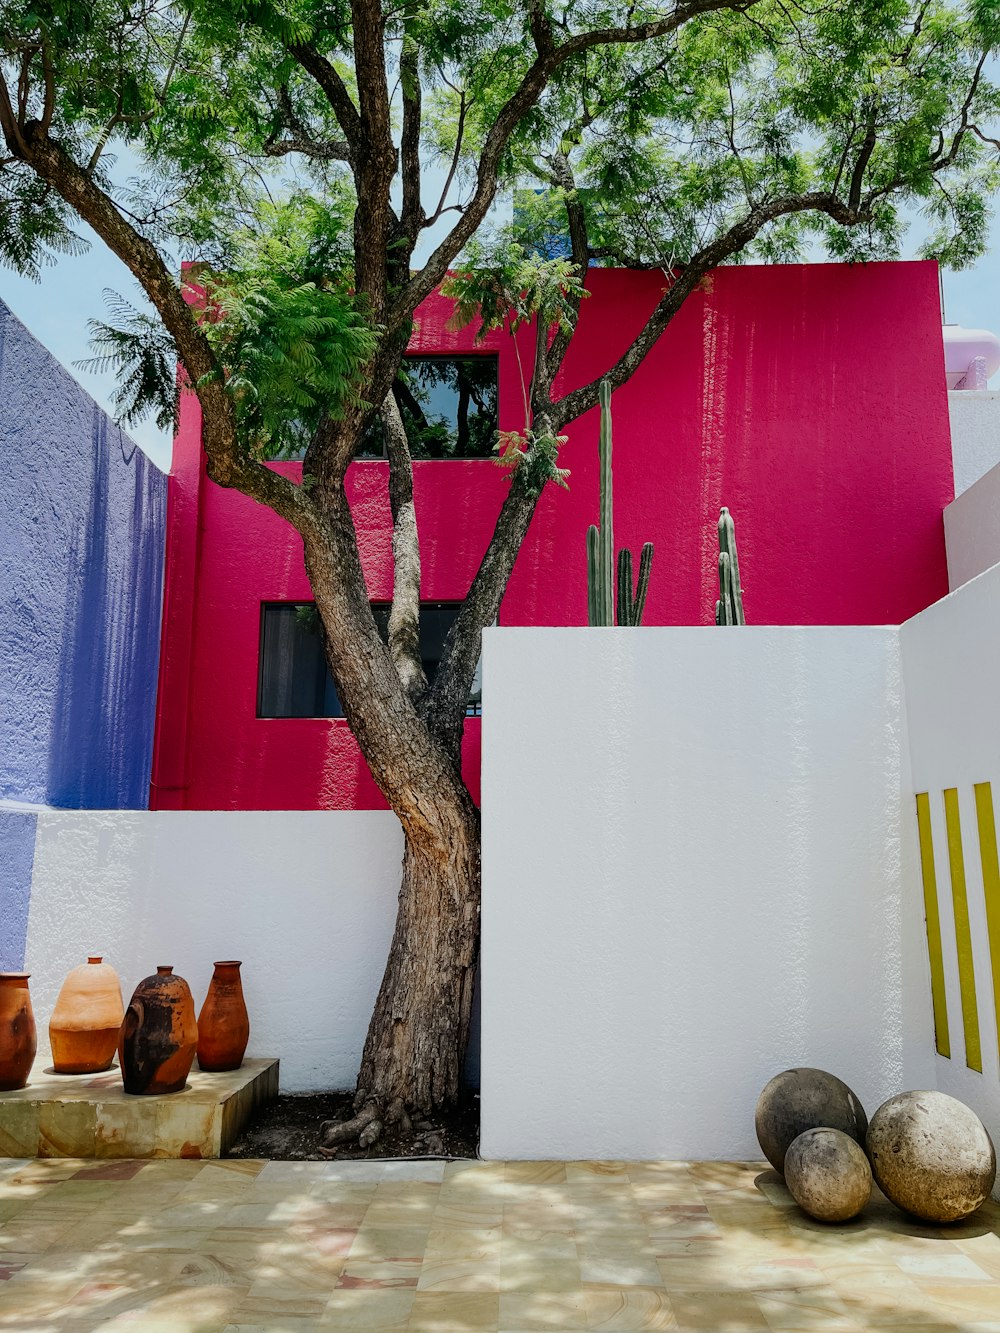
column 404, row 615
column 524, row 97
column 574, row 404
column 174, row 59
column 838, row 175
column 374, row 157
column 49, row 103
column 860, row 166
column 335, row 90
column 226, row 463
column 963, row 123
column 9, row 123
column 576, row 218
column 412, row 214
column 298, row 138
column 541, row 27
column 455, row 157
column 995, row 143
column 446, row 701
column 330, row 150
column 23, row 85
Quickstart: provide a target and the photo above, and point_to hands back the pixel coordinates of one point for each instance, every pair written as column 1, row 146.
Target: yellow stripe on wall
column 963, row 932
column 991, row 881
column 942, row 1039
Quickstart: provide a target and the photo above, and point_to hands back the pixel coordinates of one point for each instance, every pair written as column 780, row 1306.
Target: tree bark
column 419, row 1030
column 420, row 1026
column 404, row 614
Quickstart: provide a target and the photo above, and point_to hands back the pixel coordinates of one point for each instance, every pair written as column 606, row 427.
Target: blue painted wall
column 82, row 523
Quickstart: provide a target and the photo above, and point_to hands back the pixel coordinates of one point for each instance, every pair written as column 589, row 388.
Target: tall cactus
column 631, row 606
column 601, row 540
column 601, row 548
column 729, row 607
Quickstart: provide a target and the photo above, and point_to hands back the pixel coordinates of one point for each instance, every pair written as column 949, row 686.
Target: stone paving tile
column 236, row 1247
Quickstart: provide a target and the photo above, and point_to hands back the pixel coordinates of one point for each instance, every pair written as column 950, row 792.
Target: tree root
column 369, row 1122
column 337, row 1132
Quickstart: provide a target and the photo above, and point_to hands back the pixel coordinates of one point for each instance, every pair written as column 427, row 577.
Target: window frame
column 472, row 710
column 449, row 356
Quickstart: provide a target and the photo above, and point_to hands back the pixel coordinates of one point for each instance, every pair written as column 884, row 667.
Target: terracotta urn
column 223, row 1024
column 18, row 1040
column 83, row 1029
column 159, row 1036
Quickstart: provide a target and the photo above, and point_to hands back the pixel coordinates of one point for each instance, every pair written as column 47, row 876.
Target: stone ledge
column 90, row 1115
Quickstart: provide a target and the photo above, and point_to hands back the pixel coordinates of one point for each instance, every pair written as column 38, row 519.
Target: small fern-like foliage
column 290, row 340
column 33, row 223
column 139, row 350
column 292, row 352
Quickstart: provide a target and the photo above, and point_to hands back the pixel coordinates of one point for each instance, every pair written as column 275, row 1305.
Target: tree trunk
column 420, row 1027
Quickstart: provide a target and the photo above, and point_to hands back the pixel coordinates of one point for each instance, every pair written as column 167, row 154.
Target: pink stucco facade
column 809, row 398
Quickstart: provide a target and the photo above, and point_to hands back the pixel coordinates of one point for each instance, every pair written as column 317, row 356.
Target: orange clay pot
column 223, row 1024
column 159, row 1035
column 83, row 1029
column 18, row 1041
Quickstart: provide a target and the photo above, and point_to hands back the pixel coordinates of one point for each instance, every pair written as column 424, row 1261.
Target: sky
column 70, row 292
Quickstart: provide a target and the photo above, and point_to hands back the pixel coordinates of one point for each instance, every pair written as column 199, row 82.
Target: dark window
column 293, row 678
column 449, row 407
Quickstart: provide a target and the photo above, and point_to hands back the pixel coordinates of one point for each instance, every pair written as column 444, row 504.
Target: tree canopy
column 272, row 135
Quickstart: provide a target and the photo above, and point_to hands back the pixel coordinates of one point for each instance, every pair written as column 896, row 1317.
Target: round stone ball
column 827, row 1175
column 801, row 1099
column 931, row 1155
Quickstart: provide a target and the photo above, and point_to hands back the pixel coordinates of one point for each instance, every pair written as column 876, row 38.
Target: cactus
column 729, row 607
column 600, row 540
column 630, row 607
column 601, row 548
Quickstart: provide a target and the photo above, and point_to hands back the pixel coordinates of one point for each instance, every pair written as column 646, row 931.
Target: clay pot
column 223, row 1024
column 159, row 1035
column 83, row 1029
column 18, row 1041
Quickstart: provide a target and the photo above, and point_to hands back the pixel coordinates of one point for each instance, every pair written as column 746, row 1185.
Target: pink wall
column 810, row 399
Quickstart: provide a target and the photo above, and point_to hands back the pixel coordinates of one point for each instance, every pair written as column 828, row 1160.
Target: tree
column 284, row 145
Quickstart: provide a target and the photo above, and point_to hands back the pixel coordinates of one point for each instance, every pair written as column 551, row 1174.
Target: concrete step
column 90, row 1115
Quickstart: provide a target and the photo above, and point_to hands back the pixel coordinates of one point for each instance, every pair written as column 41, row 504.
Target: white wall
column 975, row 434
column 698, row 868
column 951, row 657
column 972, row 530
column 972, row 521
column 306, row 899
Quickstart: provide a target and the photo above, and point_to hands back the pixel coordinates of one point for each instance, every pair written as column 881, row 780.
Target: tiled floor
column 194, row 1247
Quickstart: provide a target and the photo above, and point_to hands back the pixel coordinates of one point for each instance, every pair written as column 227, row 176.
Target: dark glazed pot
column 223, row 1024
column 18, row 1040
column 157, row 1042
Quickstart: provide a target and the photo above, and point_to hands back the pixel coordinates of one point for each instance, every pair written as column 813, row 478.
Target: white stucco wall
column 306, row 899
column 695, row 852
column 972, row 530
column 975, row 434
column 951, row 657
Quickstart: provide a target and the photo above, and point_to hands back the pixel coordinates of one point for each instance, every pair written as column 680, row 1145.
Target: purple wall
column 81, row 571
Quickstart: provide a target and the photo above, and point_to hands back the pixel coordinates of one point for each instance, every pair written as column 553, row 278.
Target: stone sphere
column 931, row 1156
column 827, row 1175
column 801, row 1099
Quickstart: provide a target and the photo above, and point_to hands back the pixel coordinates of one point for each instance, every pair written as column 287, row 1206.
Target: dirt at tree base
column 288, row 1130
